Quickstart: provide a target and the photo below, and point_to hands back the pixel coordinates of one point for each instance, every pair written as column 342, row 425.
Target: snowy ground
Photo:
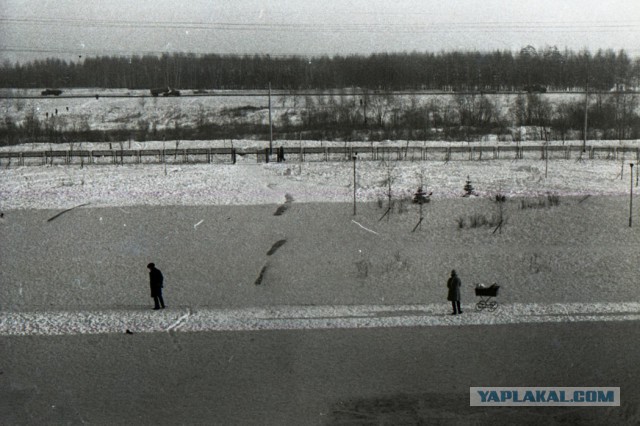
column 253, row 184
column 303, row 318
column 290, row 317
column 139, row 204
column 211, row 228
column 118, row 109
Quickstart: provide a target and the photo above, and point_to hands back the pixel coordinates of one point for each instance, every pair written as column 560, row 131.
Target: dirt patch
column 276, row 246
column 284, row 207
column 258, row 280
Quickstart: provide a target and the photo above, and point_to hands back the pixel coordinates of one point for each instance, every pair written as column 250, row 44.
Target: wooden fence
column 301, row 154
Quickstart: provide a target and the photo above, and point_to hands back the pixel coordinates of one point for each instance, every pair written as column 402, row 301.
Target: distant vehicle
column 49, row 92
column 159, row 91
column 164, row 91
column 535, row 88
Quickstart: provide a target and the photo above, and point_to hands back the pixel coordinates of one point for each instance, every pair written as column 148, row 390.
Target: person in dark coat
column 453, row 284
column 156, row 283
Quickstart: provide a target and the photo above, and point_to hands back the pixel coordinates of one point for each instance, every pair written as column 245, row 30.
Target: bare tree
column 388, row 182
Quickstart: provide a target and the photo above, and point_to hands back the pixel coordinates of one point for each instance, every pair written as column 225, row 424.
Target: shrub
column 551, row 200
column 478, row 221
column 554, row 200
column 363, row 268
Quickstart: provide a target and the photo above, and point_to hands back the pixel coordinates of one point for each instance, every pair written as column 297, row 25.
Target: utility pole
column 270, row 124
column 355, row 156
column 631, row 196
column 586, row 109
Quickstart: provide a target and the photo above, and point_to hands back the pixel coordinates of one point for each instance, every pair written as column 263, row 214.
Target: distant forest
column 463, row 71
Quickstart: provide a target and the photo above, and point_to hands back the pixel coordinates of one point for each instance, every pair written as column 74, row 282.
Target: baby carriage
column 486, row 295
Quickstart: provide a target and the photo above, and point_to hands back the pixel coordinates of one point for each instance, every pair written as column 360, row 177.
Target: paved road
column 297, row 377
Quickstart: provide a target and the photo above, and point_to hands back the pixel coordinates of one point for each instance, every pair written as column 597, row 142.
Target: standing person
column 453, row 284
column 156, row 283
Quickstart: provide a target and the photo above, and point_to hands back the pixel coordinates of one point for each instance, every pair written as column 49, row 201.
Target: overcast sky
column 72, row 28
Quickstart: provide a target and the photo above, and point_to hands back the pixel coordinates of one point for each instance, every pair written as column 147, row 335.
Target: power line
column 128, row 53
column 131, row 53
column 449, row 27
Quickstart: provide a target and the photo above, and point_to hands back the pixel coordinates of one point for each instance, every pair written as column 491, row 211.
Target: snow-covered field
column 57, row 323
column 252, row 183
column 231, row 264
column 209, row 227
column 118, row 109
column 133, row 201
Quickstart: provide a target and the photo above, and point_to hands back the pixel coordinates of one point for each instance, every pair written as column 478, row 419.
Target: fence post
column 233, row 155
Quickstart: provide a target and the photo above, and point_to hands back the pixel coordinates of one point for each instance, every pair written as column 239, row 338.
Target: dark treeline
column 498, row 70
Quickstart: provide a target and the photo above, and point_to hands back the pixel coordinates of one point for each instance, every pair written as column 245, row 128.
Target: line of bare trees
column 471, row 117
column 464, row 71
column 369, row 117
